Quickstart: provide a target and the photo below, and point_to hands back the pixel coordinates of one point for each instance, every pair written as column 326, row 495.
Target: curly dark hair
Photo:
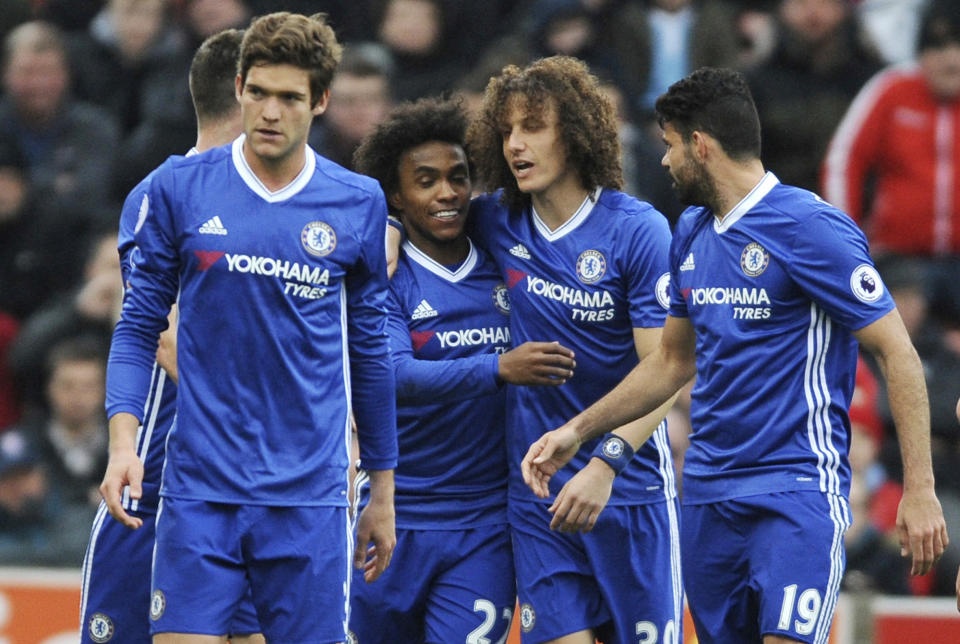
column 408, row 125
column 715, row 101
column 292, row 39
column 585, row 119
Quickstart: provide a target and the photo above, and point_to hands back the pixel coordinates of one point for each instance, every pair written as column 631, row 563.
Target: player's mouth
column 269, row 134
column 522, row 168
column 445, row 215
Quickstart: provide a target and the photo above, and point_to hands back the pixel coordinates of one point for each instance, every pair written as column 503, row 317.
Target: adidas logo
column 424, row 310
column 213, row 227
column 520, row 251
column 688, row 264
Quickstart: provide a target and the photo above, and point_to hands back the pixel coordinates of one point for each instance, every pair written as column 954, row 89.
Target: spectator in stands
column 25, row 278
column 28, row 513
column 9, row 396
column 680, row 36
column 72, row 436
column 91, row 310
column 132, row 61
column 360, row 97
column 68, row 147
column 203, row 18
column 803, row 90
column 894, row 162
column 424, row 50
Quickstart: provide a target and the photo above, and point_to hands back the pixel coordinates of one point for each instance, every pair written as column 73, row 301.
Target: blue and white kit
column 281, row 324
column 774, row 292
column 587, row 285
column 451, row 577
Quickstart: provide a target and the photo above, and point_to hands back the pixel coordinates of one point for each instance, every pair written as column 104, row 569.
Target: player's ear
column 699, row 143
column 238, row 83
column 321, row 105
column 395, row 202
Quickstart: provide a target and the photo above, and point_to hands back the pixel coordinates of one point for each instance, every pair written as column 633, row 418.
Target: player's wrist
column 614, row 451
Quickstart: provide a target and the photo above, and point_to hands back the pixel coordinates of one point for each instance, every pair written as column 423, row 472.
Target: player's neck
column 276, row 174
column 558, row 203
column 448, row 253
column 732, row 182
column 216, row 133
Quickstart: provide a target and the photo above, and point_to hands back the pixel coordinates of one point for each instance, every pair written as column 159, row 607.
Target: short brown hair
column 212, row 72
column 285, row 38
column 585, row 120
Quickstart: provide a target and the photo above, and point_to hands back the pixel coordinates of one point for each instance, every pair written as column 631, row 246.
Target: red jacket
column 899, row 133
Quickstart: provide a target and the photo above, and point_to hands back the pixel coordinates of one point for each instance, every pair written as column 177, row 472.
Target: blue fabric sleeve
column 425, row 381
column 153, row 289
column 371, row 373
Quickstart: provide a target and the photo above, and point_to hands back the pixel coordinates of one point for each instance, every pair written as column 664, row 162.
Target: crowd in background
column 94, row 95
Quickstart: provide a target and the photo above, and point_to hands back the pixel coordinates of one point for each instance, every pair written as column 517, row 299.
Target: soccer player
column 771, row 288
column 277, row 256
column 451, row 579
column 585, row 265
column 118, row 605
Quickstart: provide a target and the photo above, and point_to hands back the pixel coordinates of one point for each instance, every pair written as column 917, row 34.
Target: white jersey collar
column 571, row 224
column 759, row 191
column 441, row 271
column 253, row 181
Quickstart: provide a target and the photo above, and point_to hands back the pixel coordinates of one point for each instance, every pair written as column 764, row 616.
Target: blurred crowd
column 859, row 101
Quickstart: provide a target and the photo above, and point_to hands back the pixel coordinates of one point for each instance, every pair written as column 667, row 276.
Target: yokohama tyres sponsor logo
column 273, row 267
column 473, row 337
column 567, row 295
column 729, row 295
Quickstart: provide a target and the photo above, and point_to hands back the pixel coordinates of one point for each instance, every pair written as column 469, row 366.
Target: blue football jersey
column 282, row 321
column 773, row 293
column 587, row 285
column 447, row 327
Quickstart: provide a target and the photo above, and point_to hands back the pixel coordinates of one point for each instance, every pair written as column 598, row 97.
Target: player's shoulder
column 337, row 175
column 629, row 210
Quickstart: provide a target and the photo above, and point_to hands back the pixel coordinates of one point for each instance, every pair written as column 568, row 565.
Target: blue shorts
column 115, row 595
column 764, row 564
column 441, row 586
column 295, row 560
column 622, row 579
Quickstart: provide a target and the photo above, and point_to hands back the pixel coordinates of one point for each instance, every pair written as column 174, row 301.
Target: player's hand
column 581, row 500
column 545, row 457
column 537, row 363
column 921, row 529
column 124, row 468
column 376, row 539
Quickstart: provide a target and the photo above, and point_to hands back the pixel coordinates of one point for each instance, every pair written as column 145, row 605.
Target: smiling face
column 275, row 105
column 433, row 197
column 534, row 149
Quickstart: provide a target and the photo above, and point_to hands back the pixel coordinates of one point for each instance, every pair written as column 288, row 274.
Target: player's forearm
column 637, row 432
column 650, row 385
column 451, row 380
column 381, row 486
column 910, row 408
column 123, row 431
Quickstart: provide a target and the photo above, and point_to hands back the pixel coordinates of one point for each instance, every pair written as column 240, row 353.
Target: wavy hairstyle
column 585, row 119
column 292, row 39
column 407, row 126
